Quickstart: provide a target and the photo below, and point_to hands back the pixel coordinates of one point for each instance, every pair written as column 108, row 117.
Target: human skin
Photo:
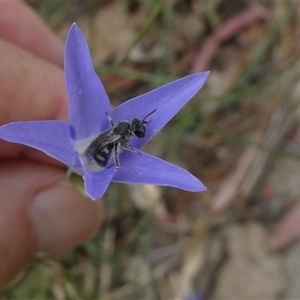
column 39, row 209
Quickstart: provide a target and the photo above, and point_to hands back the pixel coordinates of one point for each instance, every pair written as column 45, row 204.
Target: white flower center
column 89, row 162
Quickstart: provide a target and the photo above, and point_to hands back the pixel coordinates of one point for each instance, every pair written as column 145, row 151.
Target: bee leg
column 116, row 156
column 129, row 148
column 110, row 120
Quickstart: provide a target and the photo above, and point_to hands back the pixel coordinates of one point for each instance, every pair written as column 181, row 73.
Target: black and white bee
column 115, row 139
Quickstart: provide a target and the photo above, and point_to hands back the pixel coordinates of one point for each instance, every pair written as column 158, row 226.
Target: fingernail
column 62, row 218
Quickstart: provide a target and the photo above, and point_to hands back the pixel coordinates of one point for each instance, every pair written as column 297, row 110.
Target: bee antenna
column 152, row 112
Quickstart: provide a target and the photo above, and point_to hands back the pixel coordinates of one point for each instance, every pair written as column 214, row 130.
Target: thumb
column 54, row 219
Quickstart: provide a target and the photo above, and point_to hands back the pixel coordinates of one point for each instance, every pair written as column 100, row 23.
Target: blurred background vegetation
column 240, row 136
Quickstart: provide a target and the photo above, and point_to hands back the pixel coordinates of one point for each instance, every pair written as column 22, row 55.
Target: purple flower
column 89, row 108
column 193, row 296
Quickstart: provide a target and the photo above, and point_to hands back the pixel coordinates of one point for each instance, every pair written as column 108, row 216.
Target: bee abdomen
column 102, row 156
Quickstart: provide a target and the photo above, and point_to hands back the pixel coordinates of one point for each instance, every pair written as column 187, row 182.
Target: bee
column 112, row 141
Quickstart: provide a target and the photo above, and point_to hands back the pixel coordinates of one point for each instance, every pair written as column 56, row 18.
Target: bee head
column 138, row 128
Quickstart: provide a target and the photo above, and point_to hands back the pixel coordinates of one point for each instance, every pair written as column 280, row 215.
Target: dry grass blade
column 194, row 257
column 252, row 163
column 278, row 126
column 231, row 186
column 105, row 270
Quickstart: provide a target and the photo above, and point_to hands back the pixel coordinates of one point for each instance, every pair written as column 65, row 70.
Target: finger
column 20, row 25
column 40, row 211
column 30, row 89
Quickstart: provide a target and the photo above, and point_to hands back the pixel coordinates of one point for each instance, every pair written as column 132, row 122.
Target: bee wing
column 103, row 140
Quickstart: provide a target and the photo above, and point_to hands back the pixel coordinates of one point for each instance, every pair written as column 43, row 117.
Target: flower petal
column 51, row 137
column 167, row 100
column 88, row 101
column 148, row 169
column 96, row 183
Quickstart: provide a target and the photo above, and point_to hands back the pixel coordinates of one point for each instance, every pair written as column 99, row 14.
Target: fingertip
column 40, row 211
column 16, row 244
column 62, row 218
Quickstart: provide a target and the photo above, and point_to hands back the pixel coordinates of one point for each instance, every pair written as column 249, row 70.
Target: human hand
column 39, row 208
